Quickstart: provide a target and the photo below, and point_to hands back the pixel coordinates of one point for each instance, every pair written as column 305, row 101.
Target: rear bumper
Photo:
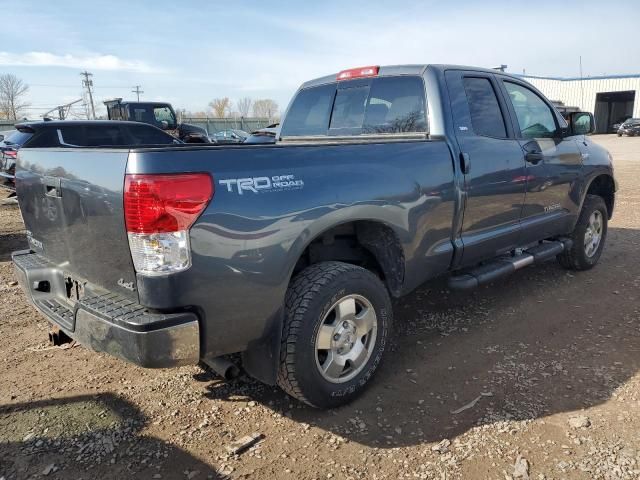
column 107, row 322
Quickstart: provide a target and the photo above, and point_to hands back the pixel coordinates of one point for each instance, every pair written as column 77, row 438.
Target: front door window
column 535, row 118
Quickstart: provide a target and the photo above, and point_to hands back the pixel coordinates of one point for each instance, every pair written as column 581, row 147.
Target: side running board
column 503, row 266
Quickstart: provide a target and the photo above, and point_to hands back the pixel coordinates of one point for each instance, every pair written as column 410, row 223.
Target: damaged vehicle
column 289, row 253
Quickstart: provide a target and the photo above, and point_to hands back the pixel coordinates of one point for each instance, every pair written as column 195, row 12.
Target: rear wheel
column 338, row 319
column 588, row 236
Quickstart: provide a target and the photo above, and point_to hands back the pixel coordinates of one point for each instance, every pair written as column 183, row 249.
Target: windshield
column 241, row 133
column 381, row 105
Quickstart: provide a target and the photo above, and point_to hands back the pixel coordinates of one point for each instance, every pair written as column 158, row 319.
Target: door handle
column 465, row 162
column 52, row 187
column 534, row 158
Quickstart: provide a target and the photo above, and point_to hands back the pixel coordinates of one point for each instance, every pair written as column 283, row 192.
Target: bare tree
column 12, row 92
column 220, row 106
column 265, row 108
column 244, row 105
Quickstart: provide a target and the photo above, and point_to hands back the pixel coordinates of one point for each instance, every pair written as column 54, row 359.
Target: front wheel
column 337, row 324
column 588, row 236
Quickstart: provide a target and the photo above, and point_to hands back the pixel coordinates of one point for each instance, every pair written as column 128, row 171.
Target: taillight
column 159, row 210
column 359, row 72
column 10, row 153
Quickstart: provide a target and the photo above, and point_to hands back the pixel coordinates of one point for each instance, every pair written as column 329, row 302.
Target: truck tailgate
column 71, row 203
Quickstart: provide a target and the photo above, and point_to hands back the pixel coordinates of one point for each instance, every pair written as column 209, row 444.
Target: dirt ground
column 549, row 362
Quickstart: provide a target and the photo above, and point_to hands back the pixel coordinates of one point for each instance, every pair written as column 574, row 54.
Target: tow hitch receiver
column 57, row 337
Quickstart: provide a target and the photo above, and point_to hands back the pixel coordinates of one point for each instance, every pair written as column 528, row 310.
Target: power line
column 49, row 85
column 39, row 108
column 137, row 91
column 88, row 83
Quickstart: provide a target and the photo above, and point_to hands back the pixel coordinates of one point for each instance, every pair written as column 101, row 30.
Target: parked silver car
column 630, row 127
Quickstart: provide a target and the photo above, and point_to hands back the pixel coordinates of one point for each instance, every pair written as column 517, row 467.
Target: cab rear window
column 383, row 105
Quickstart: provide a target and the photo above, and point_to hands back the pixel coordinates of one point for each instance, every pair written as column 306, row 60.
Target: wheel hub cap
column 593, row 234
column 346, row 338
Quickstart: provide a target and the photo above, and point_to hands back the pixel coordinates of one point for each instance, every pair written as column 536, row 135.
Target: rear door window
column 486, row 116
column 381, row 105
column 92, row 135
column 43, row 139
column 71, row 135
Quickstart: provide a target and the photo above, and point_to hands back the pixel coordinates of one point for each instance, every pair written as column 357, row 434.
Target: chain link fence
column 213, row 125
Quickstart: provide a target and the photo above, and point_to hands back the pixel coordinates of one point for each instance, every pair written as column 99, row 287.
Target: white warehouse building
column 611, row 99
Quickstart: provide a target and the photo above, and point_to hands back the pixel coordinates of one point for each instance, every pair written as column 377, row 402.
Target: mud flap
column 262, row 359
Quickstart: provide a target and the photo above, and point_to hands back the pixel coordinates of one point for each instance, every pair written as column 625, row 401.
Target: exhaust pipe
column 223, row 367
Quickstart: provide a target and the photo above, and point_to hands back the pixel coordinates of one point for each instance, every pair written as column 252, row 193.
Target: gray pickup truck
column 381, row 178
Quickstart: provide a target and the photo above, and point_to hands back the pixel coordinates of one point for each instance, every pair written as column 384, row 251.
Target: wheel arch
column 604, row 186
column 377, row 238
column 380, row 239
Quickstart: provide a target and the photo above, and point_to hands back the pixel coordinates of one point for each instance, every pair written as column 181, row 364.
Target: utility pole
column 581, row 85
column 137, row 91
column 88, row 83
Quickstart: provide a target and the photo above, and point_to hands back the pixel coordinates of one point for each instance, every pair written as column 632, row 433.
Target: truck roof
column 119, row 101
column 409, row 69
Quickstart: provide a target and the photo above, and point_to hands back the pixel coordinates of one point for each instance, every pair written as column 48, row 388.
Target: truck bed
column 270, row 201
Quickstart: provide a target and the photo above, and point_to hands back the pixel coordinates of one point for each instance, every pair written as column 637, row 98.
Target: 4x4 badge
column 127, row 285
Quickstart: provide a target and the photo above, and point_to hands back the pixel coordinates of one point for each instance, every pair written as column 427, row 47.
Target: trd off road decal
column 276, row 183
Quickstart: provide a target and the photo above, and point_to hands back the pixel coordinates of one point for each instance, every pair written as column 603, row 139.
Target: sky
column 187, row 52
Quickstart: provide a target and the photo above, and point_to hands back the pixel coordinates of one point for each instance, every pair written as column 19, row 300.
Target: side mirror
column 164, row 125
column 582, row 123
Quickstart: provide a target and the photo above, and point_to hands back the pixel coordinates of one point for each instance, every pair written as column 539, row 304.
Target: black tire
column 576, row 257
column 310, row 298
column 619, row 134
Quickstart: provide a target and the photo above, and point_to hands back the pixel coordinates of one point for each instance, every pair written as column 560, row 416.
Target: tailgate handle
column 52, row 187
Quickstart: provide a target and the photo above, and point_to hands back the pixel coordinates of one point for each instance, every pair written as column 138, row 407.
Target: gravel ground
column 547, row 364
